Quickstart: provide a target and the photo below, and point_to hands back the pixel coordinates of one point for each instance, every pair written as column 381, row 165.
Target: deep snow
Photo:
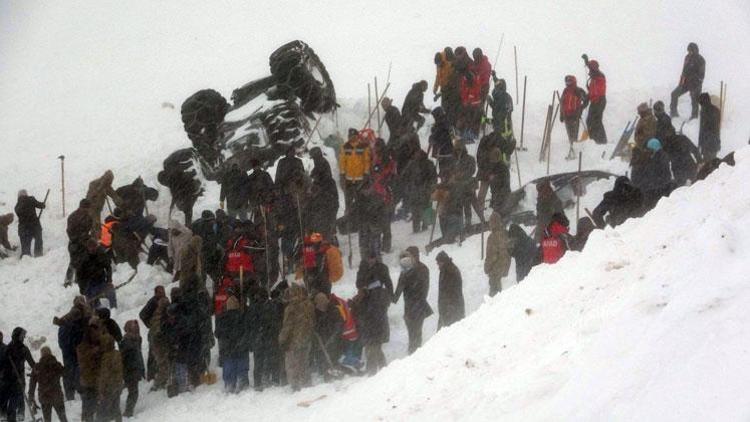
column 94, row 81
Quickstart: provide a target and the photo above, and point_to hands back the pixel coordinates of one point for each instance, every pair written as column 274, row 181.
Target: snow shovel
column 332, row 371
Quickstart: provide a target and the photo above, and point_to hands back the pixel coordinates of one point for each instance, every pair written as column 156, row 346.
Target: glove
column 585, row 57
column 221, row 204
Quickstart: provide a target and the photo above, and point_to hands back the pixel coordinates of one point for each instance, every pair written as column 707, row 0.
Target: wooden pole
column 578, row 190
column 62, row 181
column 544, row 134
column 369, row 107
column 523, row 112
column 377, row 105
column 518, row 170
column 515, row 58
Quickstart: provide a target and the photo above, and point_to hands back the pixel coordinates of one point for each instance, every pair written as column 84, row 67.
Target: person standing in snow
column 418, row 180
column 234, row 191
column 664, row 127
column 13, row 372
column 497, row 259
column 547, row 204
column 95, row 278
column 414, row 106
column 572, row 102
column 709, row 136
column 502, row 108
column 691, row 80
column 446, row 85
column 451, row 306
column 99, row 190
column 133, row 369
column 653, row 177
column 440, row 140
column 324, row 199
column 646, row 127
column 69, row 336
column 29, row 227
column 393, row 121
column 295, row 338
column 482, row 68
column 597, row 93
column 234, row 346
column 414, row 283
column 46, row 374
column 145, row 315
column 79, row 232
column 374, row 294
column 89, row 353
column 354, row 165
column 109, row 381
column 555, row 241
column 523, row 250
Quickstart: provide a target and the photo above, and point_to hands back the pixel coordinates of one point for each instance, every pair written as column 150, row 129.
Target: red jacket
column 553, row 245
column 482, row 70
column 349, row 333
column 572, row 100
column 238, row 256
column 221, row 296
column 471, row 94
column 597, row 86
column 382, row 178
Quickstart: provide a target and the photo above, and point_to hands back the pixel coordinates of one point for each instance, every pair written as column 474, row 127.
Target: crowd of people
column 255, row 276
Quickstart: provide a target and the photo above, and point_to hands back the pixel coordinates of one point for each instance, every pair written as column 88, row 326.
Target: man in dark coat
column 29, row 227
column 502, row 107
column 234, row 346
column 414, row 283
column 146, row 314
column 450, row 292
column 109, row 325
column 324, row 199
column 418, row 180
column 13, row 371
column 234, row 191
column 288, row 170
column 664, row 127
column 709, row 137
column 46, row 374
column 440, row 140
column 79, row 232
column 134, row 196
column 211, row 246
column 691, row 80
column 5, row 221
column 374, row 293
column 684, row 158
column 414, row 105
column 95, row 277
column 547, row 204
column 622, row 202
column 260, row 185
column 463, row 181
column 394, row 121
column 523, row 250
column 654, row 177
column 264, row 317
column 133, row 369
column 69, row 336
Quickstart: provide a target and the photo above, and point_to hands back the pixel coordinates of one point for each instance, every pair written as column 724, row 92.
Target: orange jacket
column 443, row 75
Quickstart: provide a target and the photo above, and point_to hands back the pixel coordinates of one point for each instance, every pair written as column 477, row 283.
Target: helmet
column 593, row 65
column 653, row 144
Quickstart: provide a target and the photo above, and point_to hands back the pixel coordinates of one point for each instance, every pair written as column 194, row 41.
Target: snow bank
column 649, row 322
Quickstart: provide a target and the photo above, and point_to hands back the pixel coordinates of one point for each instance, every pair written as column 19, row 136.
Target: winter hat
column 593, row 65
column 442, row 257
column 692, row 47
column 132, row 328
column 642, row 108
column 653, row 144
column 45, row 351
column 386, row 101
column 413, row 251
column 353, row 132
column 207, row 214
column 22, row 193
column 232, row 304
column 321, row 302
column 659, row 106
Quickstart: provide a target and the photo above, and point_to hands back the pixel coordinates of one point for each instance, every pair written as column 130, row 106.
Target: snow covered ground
column 639, row 326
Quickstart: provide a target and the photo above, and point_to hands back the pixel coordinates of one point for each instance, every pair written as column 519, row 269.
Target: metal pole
column 377, row 106
column 369, row 107
column 62, row 179
column 578, row 190
column 515, row 57
column 523, row 111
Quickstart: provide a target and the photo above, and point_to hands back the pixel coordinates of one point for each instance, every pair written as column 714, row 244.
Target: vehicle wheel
column 202, row 113
column 297, row 66
column 285, row 125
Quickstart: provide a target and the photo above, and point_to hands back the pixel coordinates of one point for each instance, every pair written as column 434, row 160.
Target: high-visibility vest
column 105, row 238
column 349, row 332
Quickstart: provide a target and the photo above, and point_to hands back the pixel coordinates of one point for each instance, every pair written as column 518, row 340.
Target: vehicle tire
column 296, row 66
column 285, row 125
column 202, row 113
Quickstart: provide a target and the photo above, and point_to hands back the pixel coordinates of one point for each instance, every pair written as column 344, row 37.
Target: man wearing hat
column 450, row 292
column 375, row 291
column 414, row 283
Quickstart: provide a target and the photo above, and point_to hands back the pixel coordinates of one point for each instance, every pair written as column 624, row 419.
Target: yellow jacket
column 354, row 160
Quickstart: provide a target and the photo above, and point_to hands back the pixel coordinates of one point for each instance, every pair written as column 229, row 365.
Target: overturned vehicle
column 266, row 118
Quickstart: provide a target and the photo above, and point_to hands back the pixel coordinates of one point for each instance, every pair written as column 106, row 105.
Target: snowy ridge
column 649, row 322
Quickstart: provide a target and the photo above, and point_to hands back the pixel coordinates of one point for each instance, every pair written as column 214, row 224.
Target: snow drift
column 649, row 322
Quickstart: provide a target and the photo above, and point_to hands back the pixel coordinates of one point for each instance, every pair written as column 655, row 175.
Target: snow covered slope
column 649, row 322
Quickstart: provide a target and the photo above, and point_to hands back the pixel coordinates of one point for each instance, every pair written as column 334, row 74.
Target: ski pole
column 369, row 106
column 302, row 242
column 377, row 101
column 523, row 112
column 62, row 179
column 515, row 57
column 268, row 249
column 377, row 106
column 578, row 189
column 46, row 195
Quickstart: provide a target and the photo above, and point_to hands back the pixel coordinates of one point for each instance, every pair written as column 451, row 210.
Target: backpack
column 334, row 264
